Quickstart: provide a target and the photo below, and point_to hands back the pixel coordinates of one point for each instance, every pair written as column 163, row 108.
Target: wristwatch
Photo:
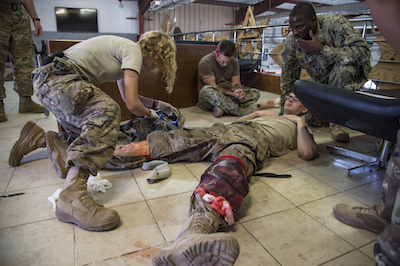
column 35, row 19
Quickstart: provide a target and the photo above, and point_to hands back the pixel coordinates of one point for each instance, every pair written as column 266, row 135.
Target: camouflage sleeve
column 350, row 47
column 290, row 67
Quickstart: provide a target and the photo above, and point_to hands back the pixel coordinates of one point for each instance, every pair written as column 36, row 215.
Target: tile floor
column 281, row 221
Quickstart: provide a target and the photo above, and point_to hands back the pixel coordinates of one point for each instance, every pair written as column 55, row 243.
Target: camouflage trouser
column 210, row 97
column 243, row 141
column 16, row 38
column 89, row 116
column 387, row 246
column 341, row 76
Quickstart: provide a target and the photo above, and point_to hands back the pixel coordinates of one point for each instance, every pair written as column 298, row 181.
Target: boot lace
column 370, row 209
column 86, row 199
column 203, row 224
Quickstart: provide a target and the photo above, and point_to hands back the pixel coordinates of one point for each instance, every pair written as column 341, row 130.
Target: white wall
column 111, row 18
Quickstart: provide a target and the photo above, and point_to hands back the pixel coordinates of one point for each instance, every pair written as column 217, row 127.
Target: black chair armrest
column 372, row 115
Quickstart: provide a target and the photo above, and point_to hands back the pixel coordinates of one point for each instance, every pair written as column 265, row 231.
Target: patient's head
column 293, row 106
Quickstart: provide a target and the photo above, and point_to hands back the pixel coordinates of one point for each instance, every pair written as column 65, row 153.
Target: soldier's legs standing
column 16, row 38
column 21, row 51
column 387, row 246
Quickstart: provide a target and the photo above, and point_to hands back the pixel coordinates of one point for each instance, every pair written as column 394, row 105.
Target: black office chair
column 248, row 66
column 371, row 113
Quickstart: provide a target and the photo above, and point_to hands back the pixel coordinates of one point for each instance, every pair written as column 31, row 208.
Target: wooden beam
column 261, row 7
column 266, row 5
column 220, row 3
column 144, row 5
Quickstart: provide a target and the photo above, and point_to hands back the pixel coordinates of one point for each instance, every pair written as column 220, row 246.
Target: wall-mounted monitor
column 76, row 19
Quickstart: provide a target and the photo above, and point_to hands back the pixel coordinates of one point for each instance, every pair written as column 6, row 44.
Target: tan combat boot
column 338, row 133
column 31, row 138
column 3, row 117
column 244, row 111
column 218, row 111
column 26, row 105
column 75, row 206
column 198, row 243
column 364, row 218
column 57, row 151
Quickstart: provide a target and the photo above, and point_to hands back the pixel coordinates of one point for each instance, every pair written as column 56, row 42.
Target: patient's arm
column 306, row 147
column 258, row 114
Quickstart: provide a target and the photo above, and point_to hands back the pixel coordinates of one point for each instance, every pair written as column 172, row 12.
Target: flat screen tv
column 76, row 19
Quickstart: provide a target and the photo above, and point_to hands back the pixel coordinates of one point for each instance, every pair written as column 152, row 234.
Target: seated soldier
column 219, row 85
column 238, row 151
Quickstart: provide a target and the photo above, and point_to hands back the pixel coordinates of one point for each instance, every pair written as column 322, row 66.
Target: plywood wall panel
column 193, row 18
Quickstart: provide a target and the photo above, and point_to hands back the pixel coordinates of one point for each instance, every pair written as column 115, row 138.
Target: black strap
column 272, row 175
column 51, row 56
column 259, row 162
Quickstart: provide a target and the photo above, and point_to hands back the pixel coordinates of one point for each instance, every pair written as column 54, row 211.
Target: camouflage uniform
column 242, row 140
column 16, row 38
column 210, row 97
column 387, row 246
column 88, row 115
column 343, row 62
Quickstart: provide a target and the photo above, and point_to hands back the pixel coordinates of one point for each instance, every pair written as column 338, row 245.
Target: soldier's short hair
column 226, row 48
column 303, row 8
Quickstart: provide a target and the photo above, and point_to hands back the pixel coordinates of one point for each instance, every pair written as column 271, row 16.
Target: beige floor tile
column 17, row 120
column 197, row 169
column 136, row 258
column 354, row 258
column 293, row 158
column 334, row 174
column 33, row 206
column 261, row 201
column 7, row 131
column 171, row 213
column 47, row 242
column 180, row 181
column 359, row 142
column 276, row 165
column 368, row 250
column 369, row 194
column 124, row 189
column 34, row 174
column 138, row 231
column 321, row 210
column 294, row 238
column 7, row 143
column 47, row 122
column 5, row 178
column 251, row 251
column 300, row 188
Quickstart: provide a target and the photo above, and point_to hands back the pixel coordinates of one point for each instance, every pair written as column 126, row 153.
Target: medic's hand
column 167, row 108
